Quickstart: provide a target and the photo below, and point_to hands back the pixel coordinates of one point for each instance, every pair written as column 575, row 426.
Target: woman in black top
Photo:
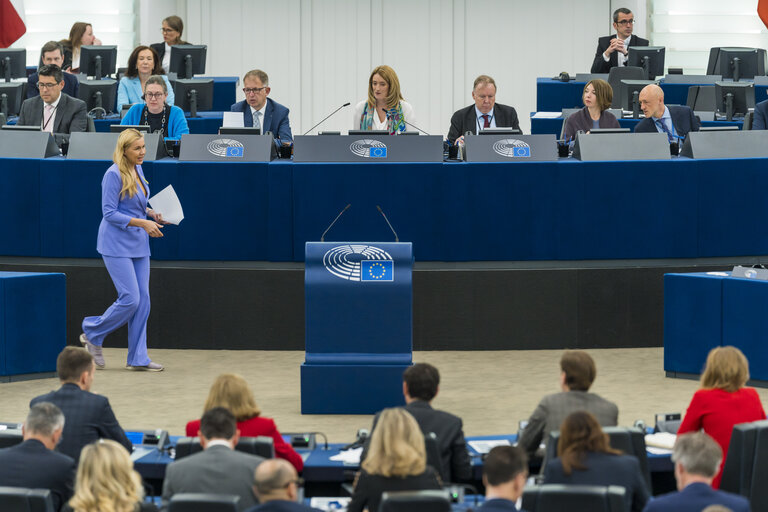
column 396, row 461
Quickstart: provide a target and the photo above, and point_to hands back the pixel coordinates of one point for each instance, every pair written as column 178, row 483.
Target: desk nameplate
column 368, row 148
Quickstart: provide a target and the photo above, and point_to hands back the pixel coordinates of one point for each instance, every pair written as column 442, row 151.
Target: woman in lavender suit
column 123, row 243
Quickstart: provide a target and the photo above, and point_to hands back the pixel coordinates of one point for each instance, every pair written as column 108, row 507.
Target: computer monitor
column 188, row 60
column 500, row 131
column 13, row 63
column 367, row 132
column 737, row 62
column 99, row 95
column 629, row 94
column 193, row 95
column 701, row 97
column 650, row 58
column 98, row 61
column 117, row 128
column 597, row 131
column 239, row 130
column 11, row 98
column 726, row 128
column 734, row 98
column 22, row 128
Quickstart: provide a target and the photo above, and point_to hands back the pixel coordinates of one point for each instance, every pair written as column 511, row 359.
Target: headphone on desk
column 563, row 77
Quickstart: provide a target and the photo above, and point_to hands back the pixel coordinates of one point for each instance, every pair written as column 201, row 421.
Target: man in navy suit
column 33, row 463
column 53, row 53
column 269, row 115
column 89, row 417
column 276, row 484
column 697, row 460
column 613, row 50
column 760, row 121
column 505, row 470
column 674, row 120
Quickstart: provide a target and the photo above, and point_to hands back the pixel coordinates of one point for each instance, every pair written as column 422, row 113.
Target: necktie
column 47, row 124
column 256, row 120
column 663, row 128
column 486, row 121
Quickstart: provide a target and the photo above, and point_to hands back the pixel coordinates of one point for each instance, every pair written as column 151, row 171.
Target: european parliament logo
column 226, row 148
column 369, row 148
column 374, row 270
column 512, row 148
column 358, row 262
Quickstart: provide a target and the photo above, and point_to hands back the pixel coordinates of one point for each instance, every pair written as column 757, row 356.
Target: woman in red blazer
column 232, row 391
column 723, row 401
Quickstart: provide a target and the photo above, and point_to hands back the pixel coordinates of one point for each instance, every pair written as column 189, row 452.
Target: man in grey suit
column 218, row 469
column 54, row 111
column 576, row 376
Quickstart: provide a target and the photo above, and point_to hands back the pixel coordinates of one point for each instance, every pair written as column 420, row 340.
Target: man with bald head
column 674, row 120
column 276, row 484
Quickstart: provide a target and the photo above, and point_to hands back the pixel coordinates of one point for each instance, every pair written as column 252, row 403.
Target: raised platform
column 457, row 306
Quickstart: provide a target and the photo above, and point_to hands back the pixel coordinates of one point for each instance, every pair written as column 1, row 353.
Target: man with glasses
column 613, row 50
column 53, row 53
column 260, row 111
column 53, row 111
column 276, row 484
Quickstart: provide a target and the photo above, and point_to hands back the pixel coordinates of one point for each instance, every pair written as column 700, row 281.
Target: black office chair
column 203, row 502
column 616, row 75
column 748, row 117
column 416, row 501
column 433, row 457
column 629, row 440
column 567, row 112
column 556, row 498
column 10, row 438
column 701, row 98
column 22, row 499
column 746, row 465
column 262, row 446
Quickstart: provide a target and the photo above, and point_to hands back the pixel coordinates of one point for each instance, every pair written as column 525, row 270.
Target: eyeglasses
column 167, row 30
column 626, row 22
column 154, row 95
column 43, row 85
column 248, row 91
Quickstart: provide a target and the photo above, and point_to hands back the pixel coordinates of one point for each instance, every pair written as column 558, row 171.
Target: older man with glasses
column 259, row 111
column 53, row 111
column 613, row 50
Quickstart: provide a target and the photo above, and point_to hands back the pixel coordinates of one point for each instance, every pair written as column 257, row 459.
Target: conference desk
column 541, row 125
column 205, row 122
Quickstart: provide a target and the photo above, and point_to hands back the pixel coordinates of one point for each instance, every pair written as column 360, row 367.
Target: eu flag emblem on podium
column 377, row 270
column 236, row 151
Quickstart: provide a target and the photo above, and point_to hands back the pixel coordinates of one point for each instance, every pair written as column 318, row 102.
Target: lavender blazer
column 116, row 237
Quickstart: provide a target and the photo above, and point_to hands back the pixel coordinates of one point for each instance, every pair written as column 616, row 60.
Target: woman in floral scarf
column 384, row 109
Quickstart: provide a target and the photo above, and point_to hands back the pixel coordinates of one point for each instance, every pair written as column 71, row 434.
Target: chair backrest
column 22, row 499
column 629, row 440
column 748, row 120
column 556, row 498
column 433, row 456
column 701, row 97
column 746, row 465
column 616, row 75
column 416, row 501
column 262, row 446
column 10, row 438
column 567, row 112
column 203, row 502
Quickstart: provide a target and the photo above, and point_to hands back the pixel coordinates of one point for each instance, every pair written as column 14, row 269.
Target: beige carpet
column 491, row 391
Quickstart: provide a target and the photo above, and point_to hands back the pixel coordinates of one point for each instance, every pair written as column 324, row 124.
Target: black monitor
column 239, row 130
column 726, row 128
column 11, row 98
column 13, row 63
column 193, row 95
column 597, row 131
column 22, row 128
column 737, row 63
column 734, row 98
column 367, row 132
column 98, row 61
column 701, row 97
column 99, row 95
column 117, row 128
column 188, row 60
column 650, row 58
column 500, row 131
column 629, row 95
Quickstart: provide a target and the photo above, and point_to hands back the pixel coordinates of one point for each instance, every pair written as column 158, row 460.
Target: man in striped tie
column 485, row 113
column 53, row 111
column 674, row 120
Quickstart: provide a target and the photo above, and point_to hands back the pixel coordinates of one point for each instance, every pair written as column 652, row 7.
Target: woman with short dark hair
column 142, row 64
column 597, row 98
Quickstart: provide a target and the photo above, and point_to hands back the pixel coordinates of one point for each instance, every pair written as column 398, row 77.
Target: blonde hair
column 127, row 174
column 389, row 76
column 231, row 391
column 106, row 480
column 727, row 369
column 397, row 446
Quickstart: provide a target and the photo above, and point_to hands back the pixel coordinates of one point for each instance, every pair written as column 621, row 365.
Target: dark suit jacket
column 454, row 457
column 498, row 505
column 465, row 120
column 275, row 119
column 760, row 121
column 31, row 464
column 682, row 119
column 160, row 49
column 581, row 120
column 70, row 114
column 88, row 418
column 599, row 65
column 696, row 497
column 282, row 506
column 71, row 85
column 369, row 488
column 604, row 469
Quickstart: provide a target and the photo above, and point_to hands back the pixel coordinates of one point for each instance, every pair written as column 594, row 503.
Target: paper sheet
column 349, row 456
column 139, row 453
column 485, row 445
column 663, row 440
column 324, row 503
column 167, row 202
column 722, row 274
column 233, row 120
column 547, row 115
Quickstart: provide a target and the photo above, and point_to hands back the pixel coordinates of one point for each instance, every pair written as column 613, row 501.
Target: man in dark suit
column 33, row 463
column 485, row 113
column 420, row 386
column 674, row 120
column 760, row 121
column 53, row 53
column 89, row 417
column 53, row 111
column 697, row 460
column 276, row 484
column 577, row 373
column 269, row 115
column 613, row 50
column 218, row 468
column 505, row 470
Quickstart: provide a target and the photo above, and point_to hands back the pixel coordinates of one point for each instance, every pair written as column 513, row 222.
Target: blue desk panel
column 20, row 206
column 204, row 123
column 554, row 126
column 745, row 323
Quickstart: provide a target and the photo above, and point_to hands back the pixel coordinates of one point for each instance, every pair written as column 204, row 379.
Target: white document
column 233, row 120
column 721, row 274
column 349, row 456
column 324, row 503
column 167, row 202
column 547, row 115
column 663, row 440
column 485, row 445
column 139, row 453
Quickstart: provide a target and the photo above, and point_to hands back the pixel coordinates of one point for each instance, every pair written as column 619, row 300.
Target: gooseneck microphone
column 322, row 238
column 389, row 114
column 388, row 224
column 326, row 117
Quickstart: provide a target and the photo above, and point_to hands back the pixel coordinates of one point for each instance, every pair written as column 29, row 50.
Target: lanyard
column 53, row 111
column 490, row 121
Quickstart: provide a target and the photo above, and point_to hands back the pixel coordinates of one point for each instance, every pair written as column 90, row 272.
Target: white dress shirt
column 480, row 122
column 621, row 59
column 52, row 122
column 166, row 64
column 260, row 113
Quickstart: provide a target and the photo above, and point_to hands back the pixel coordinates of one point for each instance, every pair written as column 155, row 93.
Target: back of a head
column 72, row 362
column 43, row 419
column 503, row 464
column 106, row 479
column 272, row 478
column 397, row 446
column 727, row 368
column 580, row 370
column 422, row 381
column 231, row 391
column 698, row 453
column 218, row 423
column 581, row 433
